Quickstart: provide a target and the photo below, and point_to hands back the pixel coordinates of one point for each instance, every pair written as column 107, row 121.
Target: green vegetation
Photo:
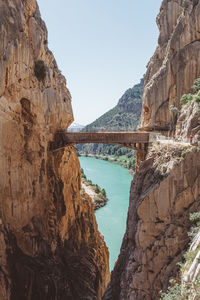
column 186, row 290
column 100, row 198
column 195, row 218
column 196, row 85
column 185, row 151
column 186, row 99
column 196, row 98
column 119, row 155
column 173, row 109
column 124, row 116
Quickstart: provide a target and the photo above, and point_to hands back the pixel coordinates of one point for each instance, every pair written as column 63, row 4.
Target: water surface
column 111, row 218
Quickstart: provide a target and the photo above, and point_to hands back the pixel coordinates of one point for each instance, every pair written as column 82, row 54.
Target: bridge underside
column 133, row 146
column 137, row 141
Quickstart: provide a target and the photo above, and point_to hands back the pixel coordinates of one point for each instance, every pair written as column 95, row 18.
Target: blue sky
column 102, row 47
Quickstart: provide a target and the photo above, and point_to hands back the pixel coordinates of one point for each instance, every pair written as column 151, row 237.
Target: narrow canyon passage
column 111, row 218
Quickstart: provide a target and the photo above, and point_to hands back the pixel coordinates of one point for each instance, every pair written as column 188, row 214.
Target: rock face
column 166, row 187
column 174, row 65
column 50, row 247
column 163, row 194
column 188, row 123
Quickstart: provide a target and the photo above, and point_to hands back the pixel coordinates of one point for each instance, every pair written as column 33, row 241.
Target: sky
column 102, row 48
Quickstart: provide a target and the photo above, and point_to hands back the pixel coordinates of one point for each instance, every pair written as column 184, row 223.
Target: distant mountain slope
column 75, row 127
column 124, row 116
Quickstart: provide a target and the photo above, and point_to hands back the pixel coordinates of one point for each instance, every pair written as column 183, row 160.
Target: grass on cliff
column 186, row 99
column 183, row 290
column 186, row 291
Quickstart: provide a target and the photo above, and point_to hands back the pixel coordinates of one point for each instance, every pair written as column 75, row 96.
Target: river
column 111, row 218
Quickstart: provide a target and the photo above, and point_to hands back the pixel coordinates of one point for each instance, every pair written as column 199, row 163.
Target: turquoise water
column 111, row 218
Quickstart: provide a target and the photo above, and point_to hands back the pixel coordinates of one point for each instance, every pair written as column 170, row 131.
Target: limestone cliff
column 50, row 247
column 174, row 65
column 166, row 188
column 163, row 194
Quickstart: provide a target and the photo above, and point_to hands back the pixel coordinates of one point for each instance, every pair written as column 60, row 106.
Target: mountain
column 124, row 116
column 75, row 127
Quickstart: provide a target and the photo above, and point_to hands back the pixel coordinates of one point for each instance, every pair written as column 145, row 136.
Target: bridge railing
column 106, row 137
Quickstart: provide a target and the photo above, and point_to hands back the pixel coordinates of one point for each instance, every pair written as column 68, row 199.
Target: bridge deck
column 106, row 137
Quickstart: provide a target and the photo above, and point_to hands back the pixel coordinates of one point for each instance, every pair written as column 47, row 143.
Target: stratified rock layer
column 50, row 247
column 174, row 65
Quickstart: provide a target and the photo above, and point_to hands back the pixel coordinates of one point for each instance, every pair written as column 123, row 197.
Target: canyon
column 50, row 247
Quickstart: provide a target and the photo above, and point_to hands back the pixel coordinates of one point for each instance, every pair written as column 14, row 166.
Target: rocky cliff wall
column 50, row 247
column 166, row 188
column 174, row 65
column 164, row 192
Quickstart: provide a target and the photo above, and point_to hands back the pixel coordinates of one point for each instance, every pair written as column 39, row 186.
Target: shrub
column 173, row 109
column 196, row 85
column 173, row 292
column 184, row 291
column 97, row 189
column 83, row 176
column 195, row 217
column 103, row 192
column 185, row 151
column 197, row 98
column 186, row 99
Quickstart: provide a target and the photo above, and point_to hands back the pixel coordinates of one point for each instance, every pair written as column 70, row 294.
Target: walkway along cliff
column 166, row 188
column 50, row 247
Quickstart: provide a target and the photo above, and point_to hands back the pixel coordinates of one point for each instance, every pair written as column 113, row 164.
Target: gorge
column 111, row 219
column 50, row 246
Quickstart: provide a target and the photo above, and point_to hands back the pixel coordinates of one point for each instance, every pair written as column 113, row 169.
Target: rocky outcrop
column 165, row 190
column 174, row 65
column 166, row 187
column 192, row 268
column 188, row 123
column 50, row 247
